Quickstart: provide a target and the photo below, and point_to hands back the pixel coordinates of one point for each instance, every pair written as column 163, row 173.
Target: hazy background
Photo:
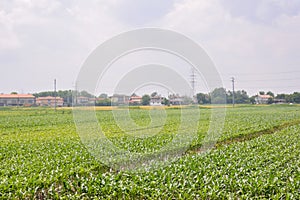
column 256, row 41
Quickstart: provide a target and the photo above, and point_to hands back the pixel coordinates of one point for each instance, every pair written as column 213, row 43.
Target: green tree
column 218, row 96
column 85, row 94
column 281, row 96
column 154, row 94
column 44, row 94
column 261, row 92
column 252, row 99
column 241, row 97
column 203, row 98
column 146, row 99
column 104, row 102
column 13, row 93
column 271, row 94
column 187, row 100
column 289, row 98
column 67, row 95
column 270, row 101
column 296, row 97
column 103, row 95
column 166, row 101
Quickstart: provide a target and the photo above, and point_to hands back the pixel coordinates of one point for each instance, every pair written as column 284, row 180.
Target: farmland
column 257, row 156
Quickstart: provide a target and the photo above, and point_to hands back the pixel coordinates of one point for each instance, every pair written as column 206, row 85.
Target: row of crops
column 42, row 156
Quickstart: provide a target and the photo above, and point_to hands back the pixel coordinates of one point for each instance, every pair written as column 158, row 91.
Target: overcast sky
column 256, row 41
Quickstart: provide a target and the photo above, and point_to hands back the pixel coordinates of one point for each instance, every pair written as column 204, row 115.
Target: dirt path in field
column 250, row 136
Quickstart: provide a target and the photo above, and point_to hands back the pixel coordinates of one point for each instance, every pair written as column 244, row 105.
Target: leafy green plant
column 42, row 157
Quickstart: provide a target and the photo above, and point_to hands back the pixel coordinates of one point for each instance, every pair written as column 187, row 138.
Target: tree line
column 217, row 96
column 220, row 95
column 67, row 95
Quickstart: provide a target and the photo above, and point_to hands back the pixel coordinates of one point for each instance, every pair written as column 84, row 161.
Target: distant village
column 69, row 98
column 28, row 100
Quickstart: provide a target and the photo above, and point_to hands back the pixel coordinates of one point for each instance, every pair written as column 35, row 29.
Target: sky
column 255, row 41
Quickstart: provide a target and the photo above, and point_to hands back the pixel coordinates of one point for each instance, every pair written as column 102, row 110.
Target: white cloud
column 8, row 38
column 239, row 44
column 140, row 12
column 52, row 38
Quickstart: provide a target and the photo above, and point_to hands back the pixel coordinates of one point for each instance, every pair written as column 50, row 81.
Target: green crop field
column 257, row 156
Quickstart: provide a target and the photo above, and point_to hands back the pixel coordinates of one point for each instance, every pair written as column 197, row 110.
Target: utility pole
column 232, row 79
column 55, row 94
column 74, row 96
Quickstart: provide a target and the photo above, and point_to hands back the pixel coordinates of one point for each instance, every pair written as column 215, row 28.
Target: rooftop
column 265, row 96
column 16, row 96
column 47, row 98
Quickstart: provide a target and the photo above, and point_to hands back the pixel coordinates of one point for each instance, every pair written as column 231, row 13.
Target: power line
column 281, row 79
column 260, row 73
column 272, row 87
column 273, row 79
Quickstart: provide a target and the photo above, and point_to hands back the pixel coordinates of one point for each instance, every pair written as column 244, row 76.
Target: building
column 120, row 99
column 263, row 99
column 156, row 101
column 95, row 100
column 50, row 101
column 81, row 100
column 135, row 100
column 175, row 99
column 16, row 100
column 86, row 101
column 280, row 101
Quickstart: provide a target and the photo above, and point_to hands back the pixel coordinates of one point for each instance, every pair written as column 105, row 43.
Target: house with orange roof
column 17, row 99
column 263, row 99
column 135, row 100
column 156, row 100
column 50, row 101
column 120, row 99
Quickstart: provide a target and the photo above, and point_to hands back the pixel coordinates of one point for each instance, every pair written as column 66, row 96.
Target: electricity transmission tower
column 193, row 81
column 233, row 100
